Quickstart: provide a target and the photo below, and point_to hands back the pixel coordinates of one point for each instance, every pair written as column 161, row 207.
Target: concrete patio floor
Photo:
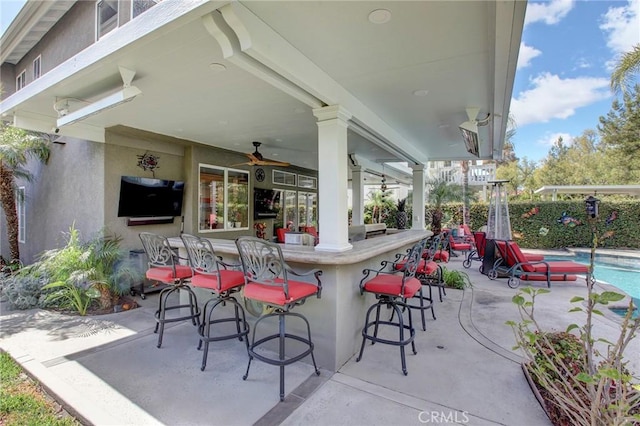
column 108, row 370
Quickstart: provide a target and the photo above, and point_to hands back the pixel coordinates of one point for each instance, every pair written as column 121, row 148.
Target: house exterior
column 189, row 84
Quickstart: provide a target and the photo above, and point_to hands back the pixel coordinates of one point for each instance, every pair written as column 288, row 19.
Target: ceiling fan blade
column 273, row 163
column 249, row 163
column 252, row 157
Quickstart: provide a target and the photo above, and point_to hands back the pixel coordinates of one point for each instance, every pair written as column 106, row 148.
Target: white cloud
column 622, row 25
column 553, row 97
column 527, row 53
column 548, row 12
column 550, row 138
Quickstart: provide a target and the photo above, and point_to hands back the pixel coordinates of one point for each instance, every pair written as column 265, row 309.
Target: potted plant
column 401, row 214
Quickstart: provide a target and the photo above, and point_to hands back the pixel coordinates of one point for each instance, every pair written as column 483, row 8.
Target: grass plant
column 24, row 402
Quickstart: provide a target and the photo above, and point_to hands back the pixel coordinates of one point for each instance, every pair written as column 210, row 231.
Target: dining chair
column 392, row 289
column 268, row 280
column 224, row 280
column 164, row 266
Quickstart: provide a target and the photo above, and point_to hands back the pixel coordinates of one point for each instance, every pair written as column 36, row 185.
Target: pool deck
column 107, row 369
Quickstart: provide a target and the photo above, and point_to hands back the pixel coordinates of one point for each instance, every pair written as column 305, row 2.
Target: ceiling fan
column 256, row 159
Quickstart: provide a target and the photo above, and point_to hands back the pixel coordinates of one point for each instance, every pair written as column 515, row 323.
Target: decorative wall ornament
column 149, row 162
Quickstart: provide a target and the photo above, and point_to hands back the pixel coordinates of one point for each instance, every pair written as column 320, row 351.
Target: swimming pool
column 609, row 270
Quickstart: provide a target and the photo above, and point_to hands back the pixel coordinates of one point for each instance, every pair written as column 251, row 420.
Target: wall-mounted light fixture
column 469, row 130
column 126, row 94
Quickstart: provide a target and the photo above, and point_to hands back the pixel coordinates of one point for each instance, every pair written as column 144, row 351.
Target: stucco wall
column 74, row 32
column 65, row 191
column 121, row 157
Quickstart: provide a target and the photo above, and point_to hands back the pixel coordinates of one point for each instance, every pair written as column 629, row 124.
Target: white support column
column 418, row 221
column 357, row 195
column 332, row 178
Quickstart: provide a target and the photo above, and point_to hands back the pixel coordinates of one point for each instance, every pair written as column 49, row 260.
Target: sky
column 566, row 56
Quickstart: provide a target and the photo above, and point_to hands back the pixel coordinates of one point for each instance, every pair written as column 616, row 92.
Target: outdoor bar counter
column 336, row 318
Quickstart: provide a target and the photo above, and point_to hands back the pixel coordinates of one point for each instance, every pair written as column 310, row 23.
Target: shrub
column 23, row 290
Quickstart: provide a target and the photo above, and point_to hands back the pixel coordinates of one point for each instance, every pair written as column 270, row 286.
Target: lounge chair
column 517, row 266
column 480, row 240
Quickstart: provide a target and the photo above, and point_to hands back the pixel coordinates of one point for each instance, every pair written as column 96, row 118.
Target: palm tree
column 441, row 192
column 627, row 66
column 379, row 201
column 16, row 148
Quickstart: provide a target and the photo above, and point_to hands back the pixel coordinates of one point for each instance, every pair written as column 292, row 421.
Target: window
column 284, row 178
column 22, row 217
column 21, row 80
column 223, row 199
column 106, row 17
column 37, row 67
column 307, row 209
column 140, row 6
column 287, row 216
column 307, row 182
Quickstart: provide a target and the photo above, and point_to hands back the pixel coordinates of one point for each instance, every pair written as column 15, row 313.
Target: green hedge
column 526, row 227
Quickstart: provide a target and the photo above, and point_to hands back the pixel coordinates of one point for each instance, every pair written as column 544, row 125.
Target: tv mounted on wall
column 266, row 203
column 146, row 197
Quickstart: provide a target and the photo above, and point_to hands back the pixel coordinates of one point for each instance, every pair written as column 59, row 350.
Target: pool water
column 625, row 278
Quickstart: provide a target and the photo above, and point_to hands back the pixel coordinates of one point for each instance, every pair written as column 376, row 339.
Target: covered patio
column 107, row 369
column 358, row 91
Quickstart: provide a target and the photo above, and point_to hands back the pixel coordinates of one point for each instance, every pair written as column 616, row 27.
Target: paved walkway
column 108, row 370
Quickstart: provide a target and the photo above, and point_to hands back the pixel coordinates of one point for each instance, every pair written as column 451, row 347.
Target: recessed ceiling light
column 216, row 67
column 380, row 16
column 421, row 92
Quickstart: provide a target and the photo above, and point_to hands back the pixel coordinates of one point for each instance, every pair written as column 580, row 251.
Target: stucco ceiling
column 407, row 82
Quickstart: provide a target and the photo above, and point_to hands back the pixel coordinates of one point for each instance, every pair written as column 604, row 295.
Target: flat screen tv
column 266, row 203
column 146, row 197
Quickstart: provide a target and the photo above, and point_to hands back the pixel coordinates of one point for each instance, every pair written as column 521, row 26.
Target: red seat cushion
column 461, row 246
column 515, row 255
column 274, row 295
column 228, row 279
column 441, row 255
column 481, row 241
column 392, row 285
column 165, row 273
column 539, row 277
column 430, row 267
column 560, row 267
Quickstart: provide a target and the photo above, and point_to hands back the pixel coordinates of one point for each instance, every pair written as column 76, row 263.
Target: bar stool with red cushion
column 164, row 266
column 267, row 281
column 392, row 289
column 437, row 252
column 224, row 280
column 438, row 249
column 426, row 272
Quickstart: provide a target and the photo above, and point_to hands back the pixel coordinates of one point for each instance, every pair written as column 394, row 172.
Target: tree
column 627, row 66
column 620, row 132
column 380, row 203
column 16, row 148
column 441, row 191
